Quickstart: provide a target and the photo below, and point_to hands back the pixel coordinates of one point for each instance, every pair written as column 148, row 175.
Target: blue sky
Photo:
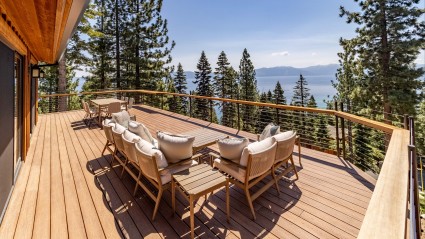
column 275, row 32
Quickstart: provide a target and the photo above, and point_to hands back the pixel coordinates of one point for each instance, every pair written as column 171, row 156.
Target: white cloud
column 314, row 54
column 282, row 53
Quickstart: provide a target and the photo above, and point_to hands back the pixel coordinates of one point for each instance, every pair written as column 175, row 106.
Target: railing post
column 406, row 121
column 211, row 111
column 341, row 106
column 190, row 104
column 338, row 150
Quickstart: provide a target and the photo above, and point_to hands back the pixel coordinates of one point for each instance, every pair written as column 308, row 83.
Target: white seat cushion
column 255, row 148
column 141, row 130
column 175, row 147
column 231, row 169
column 109, row 122
column 269, row 131
column 231, row 148
column 122, row 118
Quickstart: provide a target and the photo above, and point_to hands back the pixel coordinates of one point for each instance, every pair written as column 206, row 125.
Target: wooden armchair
column 107, row 128
column 260, row 165
column 285, row 146
column 119, row 145
column 159, row 177
column 297, row 142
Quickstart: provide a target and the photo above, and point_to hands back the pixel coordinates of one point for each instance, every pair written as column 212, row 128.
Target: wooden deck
column 67, row 189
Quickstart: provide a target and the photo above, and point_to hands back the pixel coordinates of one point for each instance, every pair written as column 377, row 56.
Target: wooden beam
column 59, row 23
column 387, row 211
column 10, row 38
column 387, row 128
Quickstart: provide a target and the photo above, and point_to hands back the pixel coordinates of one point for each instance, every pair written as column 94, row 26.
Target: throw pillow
column 141, row 130
column 255, row 148
column 231, row 148
column 121, row 118
column 175, row 147
column 269, row 131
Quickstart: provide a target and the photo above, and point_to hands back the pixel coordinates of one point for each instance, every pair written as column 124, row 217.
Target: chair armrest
column 214, row 155
column 176, row 164
column 133, row 117
column 258, row 137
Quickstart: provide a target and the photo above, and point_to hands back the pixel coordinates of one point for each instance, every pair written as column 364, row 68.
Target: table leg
column 192, row 217
column 100, row 116
column 173, row 195
column 227, row 201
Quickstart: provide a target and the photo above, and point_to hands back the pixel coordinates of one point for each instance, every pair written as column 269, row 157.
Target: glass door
column 17, row 113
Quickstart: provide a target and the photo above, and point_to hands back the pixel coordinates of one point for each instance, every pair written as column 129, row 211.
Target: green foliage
column 248, row 91
column 301, row 92
column 180, row 87
column 203, row 88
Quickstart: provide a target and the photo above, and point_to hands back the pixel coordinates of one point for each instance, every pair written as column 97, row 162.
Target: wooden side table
column 196, row 182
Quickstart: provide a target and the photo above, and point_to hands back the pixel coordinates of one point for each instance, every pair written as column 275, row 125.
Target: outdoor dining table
column 103, row 103
column 204, row 137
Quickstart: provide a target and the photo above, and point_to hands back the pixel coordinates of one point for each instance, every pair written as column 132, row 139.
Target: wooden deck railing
column 387, row 213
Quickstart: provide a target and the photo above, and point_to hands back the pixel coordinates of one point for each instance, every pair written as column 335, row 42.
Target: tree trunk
column 117, row 46
column 62, row 104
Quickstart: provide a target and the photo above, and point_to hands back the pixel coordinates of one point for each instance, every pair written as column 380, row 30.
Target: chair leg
column 137, row 183
column 248, row 198
column 158, row 200
column 299, row 154
column 106, row 145
column 293, row 166
column 123, row 167
column 275, row 180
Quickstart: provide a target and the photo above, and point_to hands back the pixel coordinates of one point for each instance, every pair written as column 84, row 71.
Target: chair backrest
column 147, row 164
column 122, row 98
column 114, row 107
column 129, row 149
column 118, row 140
column 82, row 104
column 130, row 103
column 86, row 107
column 108, row 132
column 285, row 146
column 261, row 162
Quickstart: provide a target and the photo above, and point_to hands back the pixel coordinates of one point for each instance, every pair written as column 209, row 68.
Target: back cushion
column 269, row 131
column 255, row 148
column 122, row 118
column 175, row 147
column 119, row 129
column 141, row 130
column 231, row 148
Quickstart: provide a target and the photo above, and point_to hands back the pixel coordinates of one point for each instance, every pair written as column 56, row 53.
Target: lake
column 320, row 86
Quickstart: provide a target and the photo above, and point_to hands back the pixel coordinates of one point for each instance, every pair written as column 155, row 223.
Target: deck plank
column 10, row 220
column 68, row 189
column 42, row 215
column 58, row 227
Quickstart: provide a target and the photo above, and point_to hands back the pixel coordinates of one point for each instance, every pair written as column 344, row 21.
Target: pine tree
column 420, row 129
column 100, row 48
column 300, row 98
column 229, row 117
column 248, row 91
column 301, row 92
column 279, row 98
column 313, row 124
column 265, row 114
column 203, row 88
column 321, row 136
column 180, row 86
column 389, row 37
column 362, row 148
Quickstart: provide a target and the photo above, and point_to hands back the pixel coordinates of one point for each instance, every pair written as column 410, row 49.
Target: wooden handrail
column 386, row 216
column 387, row 211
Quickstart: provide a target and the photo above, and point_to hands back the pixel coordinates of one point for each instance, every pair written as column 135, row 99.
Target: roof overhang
column 44, row 26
